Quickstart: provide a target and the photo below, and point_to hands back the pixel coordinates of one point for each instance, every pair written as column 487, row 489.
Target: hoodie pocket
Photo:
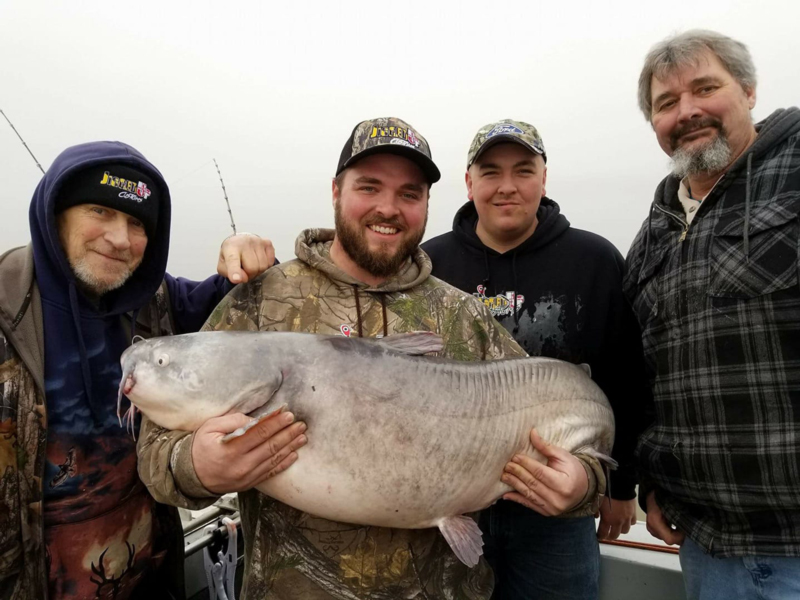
column 763, row 262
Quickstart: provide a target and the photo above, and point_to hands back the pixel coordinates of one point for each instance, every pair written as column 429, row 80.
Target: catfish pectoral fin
column 464, row 537
column 257, row 418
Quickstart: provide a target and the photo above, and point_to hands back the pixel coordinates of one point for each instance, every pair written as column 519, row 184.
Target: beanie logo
column 133, row 187
column 130, row 196
column 504, row 129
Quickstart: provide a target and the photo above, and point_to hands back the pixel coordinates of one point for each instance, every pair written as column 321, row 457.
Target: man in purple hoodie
column 71, row 502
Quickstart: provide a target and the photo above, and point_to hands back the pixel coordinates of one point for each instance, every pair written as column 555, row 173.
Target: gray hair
column 684, row 50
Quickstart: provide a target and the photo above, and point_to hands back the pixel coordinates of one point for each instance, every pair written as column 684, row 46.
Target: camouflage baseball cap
column 390, row 135
column 506, row 130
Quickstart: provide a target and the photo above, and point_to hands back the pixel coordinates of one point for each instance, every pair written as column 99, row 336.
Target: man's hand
column 243, row 256
column 657, row 524
column 548, row 489
column 243, row 462
column 616, row 517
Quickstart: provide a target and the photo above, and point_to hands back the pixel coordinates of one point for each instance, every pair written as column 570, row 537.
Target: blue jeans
column 751, row 577
column 540, row 558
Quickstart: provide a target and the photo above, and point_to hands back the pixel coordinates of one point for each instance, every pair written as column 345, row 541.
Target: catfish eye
column 163, row 360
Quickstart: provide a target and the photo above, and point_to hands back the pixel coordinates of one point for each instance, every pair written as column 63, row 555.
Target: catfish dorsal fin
column 586, row 369
column 414, row 343
column 464, row 537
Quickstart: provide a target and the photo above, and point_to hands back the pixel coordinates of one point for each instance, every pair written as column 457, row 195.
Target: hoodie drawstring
column 134, row 317
column 359, row 323
column 358, row 311
column 515, row 289
column 515, row 292
column 383, row 311
column 486, row 265
column 84, row 357
column 747, row 209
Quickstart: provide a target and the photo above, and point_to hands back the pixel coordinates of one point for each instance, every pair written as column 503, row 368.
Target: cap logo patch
column 399, row 142
column 504, row 129
column 131, row 187
column 399, row 133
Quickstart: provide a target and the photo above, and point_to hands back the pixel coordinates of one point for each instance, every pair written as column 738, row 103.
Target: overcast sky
column 273, row 90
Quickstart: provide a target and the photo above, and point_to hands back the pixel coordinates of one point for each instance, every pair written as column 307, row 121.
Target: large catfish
column 394, row 439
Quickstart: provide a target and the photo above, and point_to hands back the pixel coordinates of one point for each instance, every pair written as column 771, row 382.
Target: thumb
column 542, row 446
column 226, row 423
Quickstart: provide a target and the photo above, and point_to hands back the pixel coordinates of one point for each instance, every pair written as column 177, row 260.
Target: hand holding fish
column 550, row 489
column 265, row 450
column 244, row 256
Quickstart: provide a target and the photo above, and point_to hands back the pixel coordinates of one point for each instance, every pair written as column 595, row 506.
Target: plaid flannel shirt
column 719, row 307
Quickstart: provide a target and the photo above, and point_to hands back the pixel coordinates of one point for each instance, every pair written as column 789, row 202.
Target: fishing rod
column 225, row 193
column 26, row 145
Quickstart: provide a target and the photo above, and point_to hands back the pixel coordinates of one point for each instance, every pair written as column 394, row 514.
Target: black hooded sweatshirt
column 560, row 295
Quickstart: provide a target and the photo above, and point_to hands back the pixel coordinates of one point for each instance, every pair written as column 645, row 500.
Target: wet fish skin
column 394, row 439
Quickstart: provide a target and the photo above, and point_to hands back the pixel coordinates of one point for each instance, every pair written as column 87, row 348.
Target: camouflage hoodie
column 297, row 555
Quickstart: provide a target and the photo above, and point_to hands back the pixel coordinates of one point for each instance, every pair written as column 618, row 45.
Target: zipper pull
column 683, row 235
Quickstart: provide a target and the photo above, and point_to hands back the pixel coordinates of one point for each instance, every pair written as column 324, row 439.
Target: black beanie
column 119, row 187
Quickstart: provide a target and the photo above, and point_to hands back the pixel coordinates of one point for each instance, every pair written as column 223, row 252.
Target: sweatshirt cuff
column 183, row 470
column 590, row 503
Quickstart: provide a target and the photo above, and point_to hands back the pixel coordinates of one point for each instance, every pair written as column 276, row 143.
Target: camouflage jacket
column 23, row 426
column 296, row 555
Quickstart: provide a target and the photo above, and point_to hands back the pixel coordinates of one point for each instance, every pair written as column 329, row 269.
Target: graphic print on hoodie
column 103, row 531
column 560, row 295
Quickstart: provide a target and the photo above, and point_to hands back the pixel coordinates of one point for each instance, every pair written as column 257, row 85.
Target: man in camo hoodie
column 368, row 278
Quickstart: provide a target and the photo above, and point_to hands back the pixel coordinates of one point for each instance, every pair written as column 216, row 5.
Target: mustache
column 393, row 221
column 692, row 126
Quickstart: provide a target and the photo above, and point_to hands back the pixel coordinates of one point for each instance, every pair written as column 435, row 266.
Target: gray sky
column 273, row 90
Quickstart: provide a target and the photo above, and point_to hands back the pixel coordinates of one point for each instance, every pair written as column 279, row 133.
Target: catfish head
column 181, row 381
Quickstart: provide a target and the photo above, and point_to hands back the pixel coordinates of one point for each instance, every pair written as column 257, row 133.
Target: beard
column 94, row 285
column 711, row 157
column 381, row 262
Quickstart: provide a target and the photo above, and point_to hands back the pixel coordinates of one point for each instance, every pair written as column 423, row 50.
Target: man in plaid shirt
column 713, row 279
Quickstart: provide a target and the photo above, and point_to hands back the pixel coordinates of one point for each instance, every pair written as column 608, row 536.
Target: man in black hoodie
column 713, row 279
column 559, row 291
